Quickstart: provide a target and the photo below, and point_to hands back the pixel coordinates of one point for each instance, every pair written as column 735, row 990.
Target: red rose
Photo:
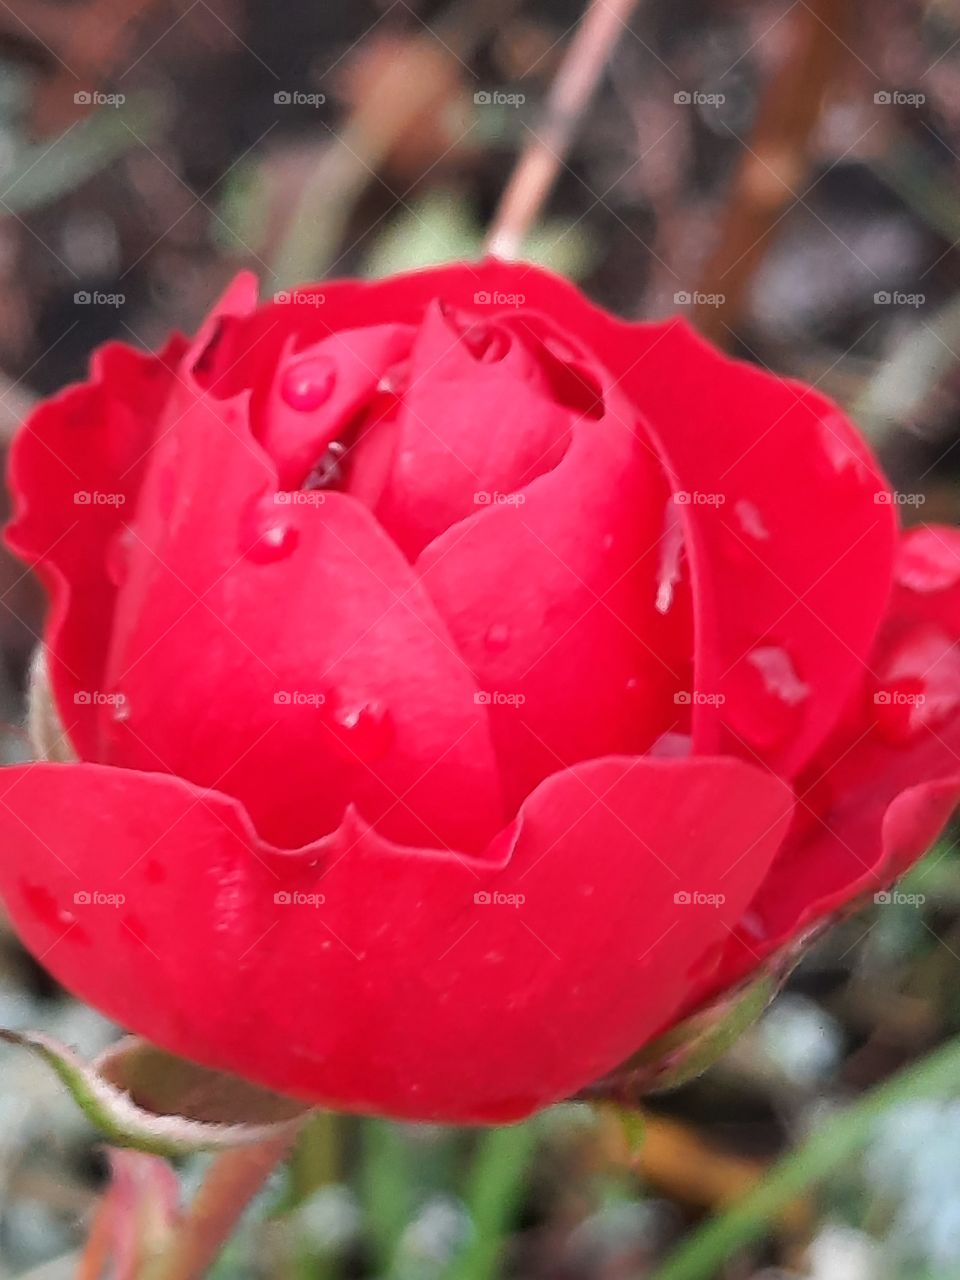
column 464, row 685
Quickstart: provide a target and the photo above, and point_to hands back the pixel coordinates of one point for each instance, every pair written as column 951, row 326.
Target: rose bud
column 463, row 687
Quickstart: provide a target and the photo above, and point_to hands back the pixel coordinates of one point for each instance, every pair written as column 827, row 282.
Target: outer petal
column 370, row 977
column 76, row 467
column 882, row 792
column 284, row 652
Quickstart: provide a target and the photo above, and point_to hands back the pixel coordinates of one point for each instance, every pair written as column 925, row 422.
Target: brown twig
column 775, row 164
column 569, row 95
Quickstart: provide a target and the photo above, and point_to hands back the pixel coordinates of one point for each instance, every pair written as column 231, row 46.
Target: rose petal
column 76, row 467
column 375, row 978
column 552, row 603
column 285, row 653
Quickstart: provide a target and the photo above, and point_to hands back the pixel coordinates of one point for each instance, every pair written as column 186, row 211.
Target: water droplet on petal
column 779, row 674
column 608, row 541
column 120, row 709
column 309, row 384
column 918, row 685
column 765, row 697
column 751, row 522
column 671, row 552
column 497, row 638
column 364, row 730
column 266, row 534
column 838, row 444
column 166, row 492
column 928, row 560
column 117, row 555
column 328, row 472
column 672, row 746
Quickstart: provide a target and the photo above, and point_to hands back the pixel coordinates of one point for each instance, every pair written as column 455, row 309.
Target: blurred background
column 784, row 172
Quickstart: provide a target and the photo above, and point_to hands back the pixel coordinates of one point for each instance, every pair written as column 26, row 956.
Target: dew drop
column 166, row 492
column 497, row 639
column 363, row 730
column 918, row 685
column 843, row 456
column 779, row 674
column 120, row 708
column 751, row 522
column 765, row 696
column 671, row 552
column 328, row 472
column 266, row 535
column 672, row 746
column 43, row 905
column 117, row 555
column 309, row 384
column 608, row 542
column 928, row 561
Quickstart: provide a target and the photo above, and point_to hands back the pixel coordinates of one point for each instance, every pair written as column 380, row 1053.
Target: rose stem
column 232, row 1181
column 571, row 91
